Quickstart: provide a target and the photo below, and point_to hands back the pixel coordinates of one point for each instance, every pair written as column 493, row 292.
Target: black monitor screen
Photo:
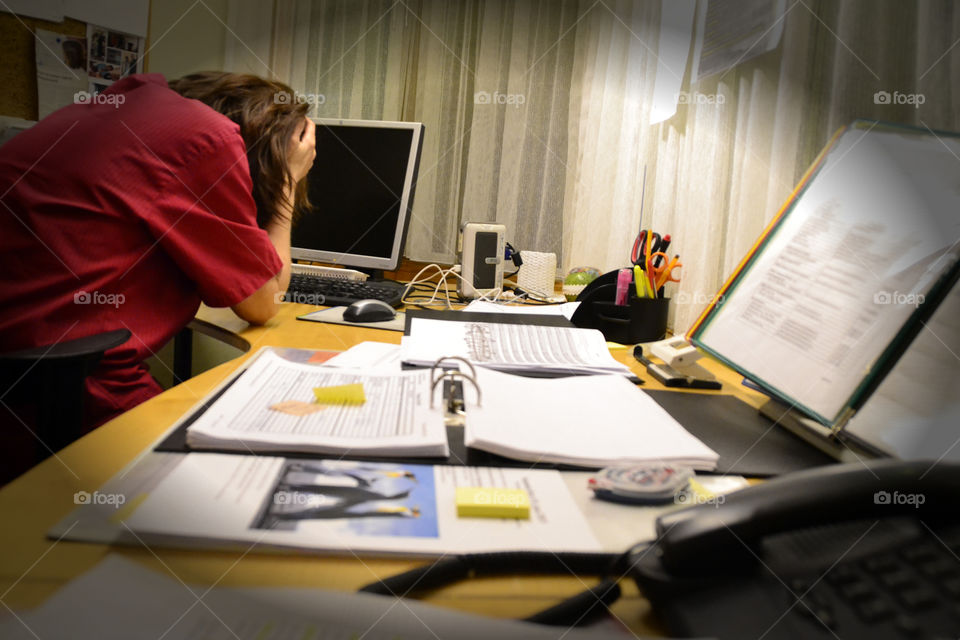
column 356, row 188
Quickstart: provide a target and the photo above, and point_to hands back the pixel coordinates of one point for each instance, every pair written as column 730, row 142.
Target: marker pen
column 624, row 280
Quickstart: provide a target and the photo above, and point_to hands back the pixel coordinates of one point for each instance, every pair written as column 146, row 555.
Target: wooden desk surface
column 32, row 567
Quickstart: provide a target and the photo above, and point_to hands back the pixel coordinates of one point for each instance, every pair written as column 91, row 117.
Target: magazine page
column 364, row 507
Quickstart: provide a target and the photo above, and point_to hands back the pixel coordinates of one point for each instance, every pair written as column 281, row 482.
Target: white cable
column 443, row 275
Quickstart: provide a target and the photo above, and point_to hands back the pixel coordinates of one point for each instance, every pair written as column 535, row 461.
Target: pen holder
column 640, row 320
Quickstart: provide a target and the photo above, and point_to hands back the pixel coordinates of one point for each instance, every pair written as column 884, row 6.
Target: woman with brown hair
column 129, row 208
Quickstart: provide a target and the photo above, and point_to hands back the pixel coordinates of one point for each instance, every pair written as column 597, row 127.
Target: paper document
column 337, row 505
column 676, row 31
column 111, row 54
column 840, row 276
column 566, row 309
column 120, row 599
column 369, row 356
column 914, row 412
column 510, row 347
column 589, row 421
column 731, row 32
column 396, row 419
column 61, row 70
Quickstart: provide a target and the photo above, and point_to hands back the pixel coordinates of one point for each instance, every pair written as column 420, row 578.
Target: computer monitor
column 361, row 190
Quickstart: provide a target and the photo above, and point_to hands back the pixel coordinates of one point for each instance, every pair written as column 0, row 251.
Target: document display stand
column 843, row 279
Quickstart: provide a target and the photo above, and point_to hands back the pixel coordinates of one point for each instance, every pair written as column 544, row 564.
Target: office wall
column 186, row 36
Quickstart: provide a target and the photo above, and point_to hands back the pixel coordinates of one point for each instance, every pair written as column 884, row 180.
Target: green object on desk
column 577, row 279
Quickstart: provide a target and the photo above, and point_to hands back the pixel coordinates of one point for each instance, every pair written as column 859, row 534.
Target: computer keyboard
column 333, row 292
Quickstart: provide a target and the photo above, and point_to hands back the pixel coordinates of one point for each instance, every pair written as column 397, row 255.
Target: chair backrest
column 42, row 390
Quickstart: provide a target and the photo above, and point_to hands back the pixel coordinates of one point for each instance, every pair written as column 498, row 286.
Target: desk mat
column 334, row 315
column 748, row 444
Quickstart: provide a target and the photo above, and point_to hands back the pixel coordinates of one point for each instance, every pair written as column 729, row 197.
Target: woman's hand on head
column 301, row 150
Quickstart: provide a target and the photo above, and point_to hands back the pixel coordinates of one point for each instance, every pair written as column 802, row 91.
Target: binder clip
column 453, row 384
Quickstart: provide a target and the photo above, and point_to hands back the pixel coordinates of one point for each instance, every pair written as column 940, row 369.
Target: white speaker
column 481, row 256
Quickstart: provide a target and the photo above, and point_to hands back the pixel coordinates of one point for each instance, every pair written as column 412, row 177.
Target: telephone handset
column 849, row 551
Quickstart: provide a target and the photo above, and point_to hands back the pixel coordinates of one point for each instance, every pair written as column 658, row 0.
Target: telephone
column 844, row 552
column 862, row 550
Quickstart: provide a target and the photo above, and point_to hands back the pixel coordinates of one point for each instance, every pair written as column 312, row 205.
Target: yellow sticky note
column 483, row 502
column 340, row 394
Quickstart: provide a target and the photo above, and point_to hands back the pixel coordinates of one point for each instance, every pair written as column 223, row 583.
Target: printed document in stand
column 842, row 272
column 510, row 347
column 396, row 420
column 597, row 421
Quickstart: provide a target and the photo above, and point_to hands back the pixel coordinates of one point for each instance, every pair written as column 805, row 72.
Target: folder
column 636, row 429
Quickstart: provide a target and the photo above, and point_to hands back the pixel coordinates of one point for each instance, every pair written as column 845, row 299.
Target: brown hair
column 268, row 117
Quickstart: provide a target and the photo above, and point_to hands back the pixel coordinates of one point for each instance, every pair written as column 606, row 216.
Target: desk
column 32, row 567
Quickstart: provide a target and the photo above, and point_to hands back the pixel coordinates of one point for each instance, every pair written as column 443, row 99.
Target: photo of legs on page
column 370, row 498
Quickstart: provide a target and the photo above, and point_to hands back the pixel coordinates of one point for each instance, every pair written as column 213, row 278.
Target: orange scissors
column 663, row 274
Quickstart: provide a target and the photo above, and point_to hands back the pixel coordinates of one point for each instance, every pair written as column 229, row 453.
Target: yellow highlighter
column 640, row 281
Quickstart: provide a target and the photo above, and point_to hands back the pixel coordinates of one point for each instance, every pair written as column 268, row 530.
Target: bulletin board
column 18, row 73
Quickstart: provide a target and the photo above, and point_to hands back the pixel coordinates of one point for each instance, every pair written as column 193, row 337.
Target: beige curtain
column 537, row 113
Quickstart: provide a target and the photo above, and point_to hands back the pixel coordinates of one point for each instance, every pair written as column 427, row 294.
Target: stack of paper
column 270, row 407
column 510, row 347
column 592, row 421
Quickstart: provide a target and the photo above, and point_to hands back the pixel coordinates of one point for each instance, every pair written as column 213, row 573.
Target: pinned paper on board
column 676, row 32
column 731, row 32
column 61, row 70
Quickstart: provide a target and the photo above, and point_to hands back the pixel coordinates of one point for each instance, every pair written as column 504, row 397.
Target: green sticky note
column 340, row 394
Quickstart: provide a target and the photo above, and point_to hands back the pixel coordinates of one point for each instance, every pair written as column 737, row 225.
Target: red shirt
column 125, row 212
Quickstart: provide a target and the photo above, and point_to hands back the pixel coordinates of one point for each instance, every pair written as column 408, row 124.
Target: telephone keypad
column 920, row 598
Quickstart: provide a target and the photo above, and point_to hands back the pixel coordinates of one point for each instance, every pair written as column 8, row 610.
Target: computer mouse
column 369, row 311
